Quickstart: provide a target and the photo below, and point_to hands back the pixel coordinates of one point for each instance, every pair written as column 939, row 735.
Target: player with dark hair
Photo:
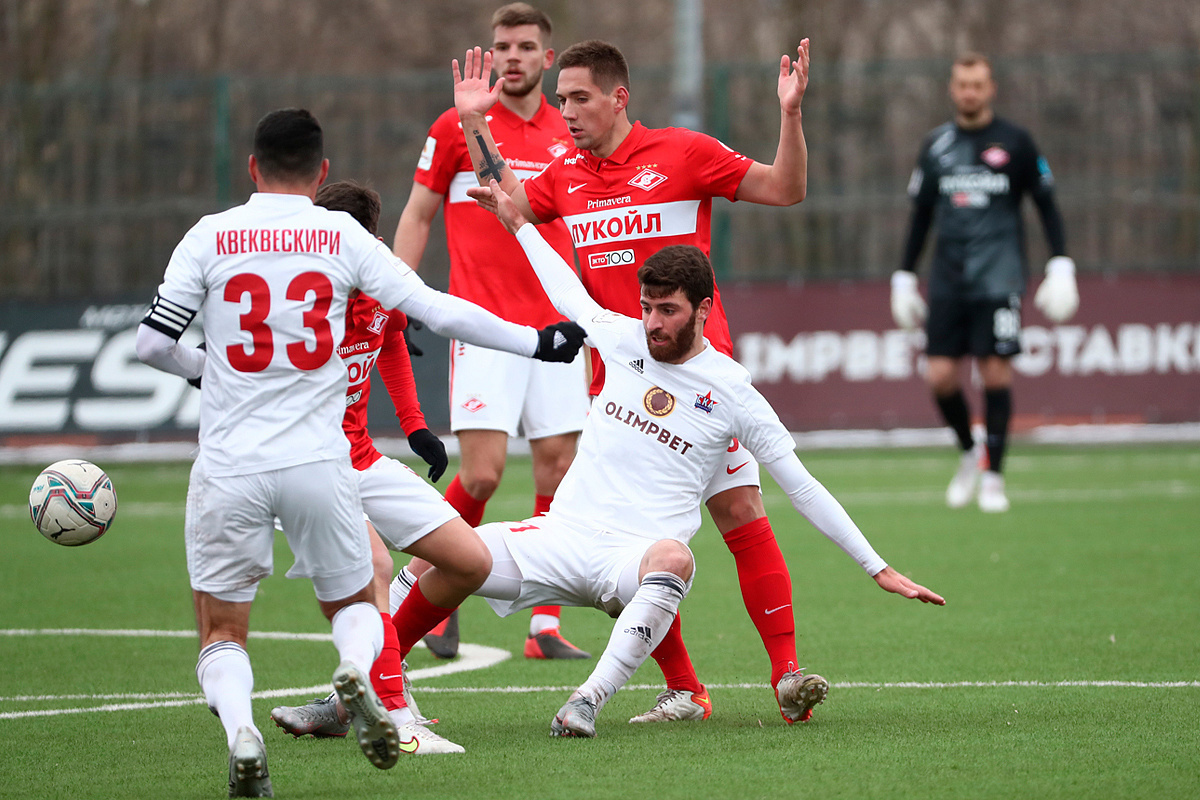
column 970, row 177
column 273, row 277
column 625, row 191
column 616, row 536
column 492, row 395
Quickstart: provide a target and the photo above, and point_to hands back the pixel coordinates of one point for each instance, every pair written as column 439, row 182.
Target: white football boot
column 965, row 482
column 992, row 498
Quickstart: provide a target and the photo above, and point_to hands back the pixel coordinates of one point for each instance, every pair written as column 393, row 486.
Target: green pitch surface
column 1066, row 662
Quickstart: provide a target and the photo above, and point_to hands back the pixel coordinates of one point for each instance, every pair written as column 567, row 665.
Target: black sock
column 958, row 417
column 998, row 411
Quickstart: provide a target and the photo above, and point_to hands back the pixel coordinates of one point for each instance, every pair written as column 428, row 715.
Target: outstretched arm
column 819, row 507
column 472, row 99
column 784, row 182
column 561, row 284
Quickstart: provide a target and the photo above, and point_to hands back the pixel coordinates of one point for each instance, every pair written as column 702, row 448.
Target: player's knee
column 472, row 564
column 670, row 556
column 482, row 483
column 736, row 507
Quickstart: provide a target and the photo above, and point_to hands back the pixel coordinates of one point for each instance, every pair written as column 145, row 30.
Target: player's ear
column 253, row 168
column 703, row 310
column 621, row 98
column 548, row 60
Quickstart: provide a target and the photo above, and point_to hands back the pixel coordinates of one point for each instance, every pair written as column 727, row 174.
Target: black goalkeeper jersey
column 970, row 183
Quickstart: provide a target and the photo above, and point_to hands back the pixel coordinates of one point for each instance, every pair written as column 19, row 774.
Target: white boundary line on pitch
column 471, row 657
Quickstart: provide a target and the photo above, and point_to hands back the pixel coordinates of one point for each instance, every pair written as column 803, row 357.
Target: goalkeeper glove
column 559, row 342
column 908, row 309
column 1058, row 296
column 431, row 449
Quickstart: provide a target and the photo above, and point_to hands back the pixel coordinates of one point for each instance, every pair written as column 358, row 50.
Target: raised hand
column 471, row 92
column 793, row 79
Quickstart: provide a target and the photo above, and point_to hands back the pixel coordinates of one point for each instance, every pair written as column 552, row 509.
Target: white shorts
column 401, row 505
column 739, row 469
column 230, row 529
column 564, row 565
column 495, row 391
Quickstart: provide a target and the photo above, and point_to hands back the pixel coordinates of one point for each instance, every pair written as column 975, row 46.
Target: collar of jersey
column 621, row 155
column 279, row 199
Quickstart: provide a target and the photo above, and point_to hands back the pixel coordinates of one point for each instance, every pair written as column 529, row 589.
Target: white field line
column 1174, row 489
column 471, row 657
column 1164, row 489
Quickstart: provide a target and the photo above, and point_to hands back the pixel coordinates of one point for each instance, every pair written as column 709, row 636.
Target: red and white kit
column 401, row 505
column 655, row 190
column 489, row 391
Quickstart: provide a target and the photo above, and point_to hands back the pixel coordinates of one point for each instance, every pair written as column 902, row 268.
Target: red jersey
column 655, row 190
column 487, row 266
column 375, row 335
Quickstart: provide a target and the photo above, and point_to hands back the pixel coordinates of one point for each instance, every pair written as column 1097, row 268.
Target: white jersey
column 272, row 278
column 657, row 433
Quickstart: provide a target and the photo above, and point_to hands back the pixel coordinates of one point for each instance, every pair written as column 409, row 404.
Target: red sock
column 766, row 591
column 415, row 618
column 672, row 658
column 387, row 673
column 467, row 507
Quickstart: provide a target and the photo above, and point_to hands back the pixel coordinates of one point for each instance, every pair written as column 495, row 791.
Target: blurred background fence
column 100, row 179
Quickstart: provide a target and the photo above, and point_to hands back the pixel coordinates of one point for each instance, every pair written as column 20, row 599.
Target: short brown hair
column 515, row 14
column 971, row 59
column 355, row 199
column 678, row 266
column 608, row 67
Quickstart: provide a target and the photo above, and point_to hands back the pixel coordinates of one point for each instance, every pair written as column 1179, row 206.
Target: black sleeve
column 1041, row 187
column 922, row 188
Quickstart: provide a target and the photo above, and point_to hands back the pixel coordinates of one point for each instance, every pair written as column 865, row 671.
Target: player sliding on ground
column 615, row 537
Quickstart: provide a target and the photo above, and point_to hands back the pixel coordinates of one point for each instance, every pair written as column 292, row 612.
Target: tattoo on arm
column 491, row 165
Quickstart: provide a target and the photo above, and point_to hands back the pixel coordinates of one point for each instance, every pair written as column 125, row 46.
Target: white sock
column 640, row 628
column 227, row 679
column 399, row 588
column 539, row 623
column 358, row 635
column 402, row 716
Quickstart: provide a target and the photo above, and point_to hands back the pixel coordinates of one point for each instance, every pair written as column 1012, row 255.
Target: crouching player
column 616, row 536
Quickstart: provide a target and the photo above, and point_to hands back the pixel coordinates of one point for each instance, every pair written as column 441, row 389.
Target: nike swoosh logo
column 410, row 746
column 389, row 677
column 573, row 187
column 702, row 699
column 773, row 610
column 732, row 470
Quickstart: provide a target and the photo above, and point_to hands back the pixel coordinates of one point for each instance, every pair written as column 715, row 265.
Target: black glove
column 413, row 350
column 196, row 381
column 559, row 342
column 430, row 448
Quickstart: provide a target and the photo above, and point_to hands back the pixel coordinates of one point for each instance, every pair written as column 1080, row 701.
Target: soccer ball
column 72, row 502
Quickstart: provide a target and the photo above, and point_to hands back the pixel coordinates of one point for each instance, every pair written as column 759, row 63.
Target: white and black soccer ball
column 72, row 502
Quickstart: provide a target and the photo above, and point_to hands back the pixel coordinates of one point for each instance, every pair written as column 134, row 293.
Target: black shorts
column 985, row 327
